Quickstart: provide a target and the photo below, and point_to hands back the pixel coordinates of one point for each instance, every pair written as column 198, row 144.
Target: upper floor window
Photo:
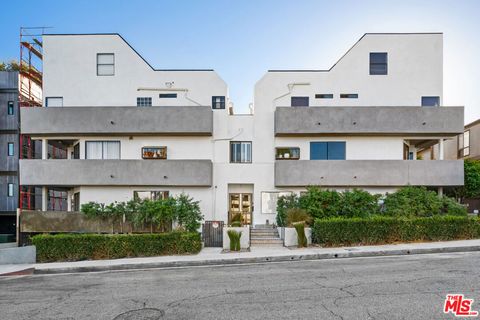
column 218, row 102
column 349, row 95
column 324, row 96
column 54, row 101
column 10, row 190
column 300, row 101
column 287, row 153
column 10, row 109
column 144, row 101
column 11, row 150
column 464, row 144
column 433, row 101
column 154, row 152
column 105, row 64
column 240, row 151
column 334, row 150
column 102, row 150
column 150, row 195
column 378, row 63
column 167, row 95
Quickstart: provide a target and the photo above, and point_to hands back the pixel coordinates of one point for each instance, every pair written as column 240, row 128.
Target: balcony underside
column 311, row 121
column 195, row 173
column 65, row 121
column 368, row 173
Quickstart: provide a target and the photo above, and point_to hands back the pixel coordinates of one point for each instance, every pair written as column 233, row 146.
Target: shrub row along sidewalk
column 382, row 230
column 74, row 247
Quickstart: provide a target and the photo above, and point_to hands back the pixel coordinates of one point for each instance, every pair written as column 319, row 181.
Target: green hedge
column 73, row 247
column 382, row 230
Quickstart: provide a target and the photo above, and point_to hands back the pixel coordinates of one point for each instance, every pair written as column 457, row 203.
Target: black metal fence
column 212, row 232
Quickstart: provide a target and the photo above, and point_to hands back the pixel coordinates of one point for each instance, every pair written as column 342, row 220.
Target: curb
column 253, row 260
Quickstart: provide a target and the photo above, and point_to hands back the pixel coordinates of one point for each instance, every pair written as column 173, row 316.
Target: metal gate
column 212, row 232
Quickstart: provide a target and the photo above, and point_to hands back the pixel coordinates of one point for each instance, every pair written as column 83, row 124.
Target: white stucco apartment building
column 113, row 127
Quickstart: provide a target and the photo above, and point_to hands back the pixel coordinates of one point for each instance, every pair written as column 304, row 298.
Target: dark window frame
column 277, row 156
column 167, row 96
column 327, row 143
column 10, row 108
column 10, row 144
column 324, row 96
column 348, row 95
column 10, row 186
column 241, row 142
column 163, row 151
column 46, row 100
column 298, row 101
column 424, row 104
column 144, row 101
column 106, row 64
column 221, row 103
column 165, row 194
column 382, row 72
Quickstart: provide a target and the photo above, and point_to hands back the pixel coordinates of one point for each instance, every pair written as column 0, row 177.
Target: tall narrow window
column 105, row 64
column 10, row 190
column 144, row 101
column 240, row 151
column 464, row 144
column 54, row 102
column 299, row 101
column 11, row 150
column 102, row 150
column 10, row 109
column 76, row 151
column 378, row 63
column 327, row 150
column 218, row 102
column 433, row 101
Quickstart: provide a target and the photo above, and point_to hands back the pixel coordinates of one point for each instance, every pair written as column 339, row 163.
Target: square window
column 218, row 102
column 105, row 64
column 378, row 63
column 433, row 101
column 240, row 151
column 144, row 101
column 11, row 150
column 300, row 101
column 10, row 110
column 102, row 149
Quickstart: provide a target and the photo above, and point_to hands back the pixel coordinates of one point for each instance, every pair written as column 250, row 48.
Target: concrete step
column 266, row 242
column 263, row 226
column 263, row 235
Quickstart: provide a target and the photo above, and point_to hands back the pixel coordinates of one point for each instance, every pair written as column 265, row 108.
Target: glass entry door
column 240, row 208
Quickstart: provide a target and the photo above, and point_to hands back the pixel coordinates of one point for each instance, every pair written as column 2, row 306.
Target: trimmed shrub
column 419, row 202
column 234, row 237
column 297, row 215
column 301, row 238
column 381, row 230
column 358, row 204
column 74, row 247
column 320, row 203
column 283, row 204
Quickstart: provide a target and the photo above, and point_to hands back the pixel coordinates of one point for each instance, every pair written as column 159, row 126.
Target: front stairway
column 265, row 235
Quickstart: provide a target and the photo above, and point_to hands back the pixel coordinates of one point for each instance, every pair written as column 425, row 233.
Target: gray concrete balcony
column 311, row 121
column 196, row 173
column 194, row 120
column 368, row 173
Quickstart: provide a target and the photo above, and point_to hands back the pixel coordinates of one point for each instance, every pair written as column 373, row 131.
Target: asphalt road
column 402, row 287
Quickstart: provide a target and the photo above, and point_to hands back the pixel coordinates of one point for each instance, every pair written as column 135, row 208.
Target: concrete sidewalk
column 213, row 256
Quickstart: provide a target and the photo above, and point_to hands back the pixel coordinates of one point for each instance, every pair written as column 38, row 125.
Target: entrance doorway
column 240, row 208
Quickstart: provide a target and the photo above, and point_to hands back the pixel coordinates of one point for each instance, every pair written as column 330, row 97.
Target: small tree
column 187, row 212
column 284, row 203
column 471, row 187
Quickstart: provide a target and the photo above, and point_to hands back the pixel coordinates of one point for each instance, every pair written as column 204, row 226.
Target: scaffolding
column 29, row 95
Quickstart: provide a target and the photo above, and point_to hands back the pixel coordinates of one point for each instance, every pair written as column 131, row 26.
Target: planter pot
column 281, row 232
column 244, row 239
column 290, row 237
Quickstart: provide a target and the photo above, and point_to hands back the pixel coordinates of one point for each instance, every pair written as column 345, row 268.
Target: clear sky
column 243, row 39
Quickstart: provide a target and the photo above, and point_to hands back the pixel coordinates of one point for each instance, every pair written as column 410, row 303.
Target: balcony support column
column 440, row 149
column 44, row 149
column 44, row 198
